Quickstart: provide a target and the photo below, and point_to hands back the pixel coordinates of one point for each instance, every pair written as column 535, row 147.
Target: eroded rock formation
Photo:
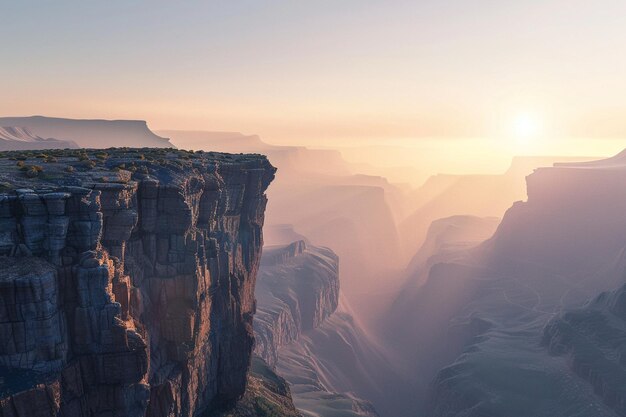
column 593, row 339
column 127, row 284
column 298, row 288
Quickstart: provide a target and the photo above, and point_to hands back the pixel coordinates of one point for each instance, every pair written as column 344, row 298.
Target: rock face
column 130, row 292
column 593, row 339
column 297, row 289
column 267, row 395
column 523, row 345
column 305, row 332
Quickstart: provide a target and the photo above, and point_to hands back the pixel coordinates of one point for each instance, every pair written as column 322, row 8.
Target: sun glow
column 526, row 126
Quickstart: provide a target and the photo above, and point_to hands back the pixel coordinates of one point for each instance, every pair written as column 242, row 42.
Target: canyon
column 135, row 283
column 510, row 318
column 313, row 341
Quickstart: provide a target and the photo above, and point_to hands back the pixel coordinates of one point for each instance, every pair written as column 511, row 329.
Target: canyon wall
column 297, row 289
column 303, row 327
column 128, row 282
column 526, row 342
column 593, row 340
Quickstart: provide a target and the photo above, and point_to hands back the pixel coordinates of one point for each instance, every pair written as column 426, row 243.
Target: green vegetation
column 87, row 163
column 5, row 187
column 265, row 408
column 23, row 169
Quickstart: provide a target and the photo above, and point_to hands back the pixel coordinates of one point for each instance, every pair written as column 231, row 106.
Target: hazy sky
column 327, row 69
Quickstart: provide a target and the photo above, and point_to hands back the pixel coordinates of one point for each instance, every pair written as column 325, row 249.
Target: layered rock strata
column 522, row 344
column 297, row 289
column 127, row 284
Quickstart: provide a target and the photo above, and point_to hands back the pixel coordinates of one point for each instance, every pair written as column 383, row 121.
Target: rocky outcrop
column 593, row 339
column 297, row 289
column 127, row 284
column 267, row 395
column 305, row 332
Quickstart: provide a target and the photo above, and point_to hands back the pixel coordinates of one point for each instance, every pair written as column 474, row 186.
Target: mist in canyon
column 313, row 209
column 431, row 277
column 486, row 293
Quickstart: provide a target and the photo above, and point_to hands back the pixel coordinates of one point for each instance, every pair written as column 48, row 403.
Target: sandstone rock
column 138, row 297
column 297, row 289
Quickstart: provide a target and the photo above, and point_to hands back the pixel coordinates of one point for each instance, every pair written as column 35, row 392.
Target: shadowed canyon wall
column 506, row 334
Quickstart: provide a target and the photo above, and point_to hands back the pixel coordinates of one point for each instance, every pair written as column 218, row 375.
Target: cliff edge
column 128, row 280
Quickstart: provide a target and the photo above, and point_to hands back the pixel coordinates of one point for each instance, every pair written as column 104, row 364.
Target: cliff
column 521, row 343
column 315, row 192
column 572, row 220
column 267, row 395
column 593, row 339
column 305, row 332
column 297, row 289
column 128, row 280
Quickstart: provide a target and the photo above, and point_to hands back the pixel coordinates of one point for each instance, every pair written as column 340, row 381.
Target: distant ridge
column 96, row 133
column 14, row 138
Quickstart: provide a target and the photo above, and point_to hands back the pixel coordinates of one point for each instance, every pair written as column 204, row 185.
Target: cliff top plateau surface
column 51, row 168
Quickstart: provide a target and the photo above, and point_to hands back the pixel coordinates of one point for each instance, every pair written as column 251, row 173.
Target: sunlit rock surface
column 127, row 284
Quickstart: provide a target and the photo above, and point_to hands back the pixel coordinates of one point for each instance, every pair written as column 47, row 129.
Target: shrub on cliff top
column 33, row 171
column 87, row 163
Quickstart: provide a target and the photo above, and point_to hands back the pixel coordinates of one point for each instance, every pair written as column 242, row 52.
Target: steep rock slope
column 91, row 133
column 314, row 191
column 303, row 329
column 267, row 395
column 129, row 292
column 18, row 138
column 297, row 289
column 338, row 370
column 478, row 195
column 593, row 341
column 553, row 252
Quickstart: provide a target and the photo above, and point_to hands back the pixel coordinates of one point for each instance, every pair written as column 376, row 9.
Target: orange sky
column 322, row 72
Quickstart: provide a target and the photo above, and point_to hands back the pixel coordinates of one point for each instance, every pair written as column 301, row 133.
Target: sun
column 526, row 127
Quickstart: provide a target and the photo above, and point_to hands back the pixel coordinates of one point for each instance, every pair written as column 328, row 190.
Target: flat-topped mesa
column 573, row 219
column 127, row 280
